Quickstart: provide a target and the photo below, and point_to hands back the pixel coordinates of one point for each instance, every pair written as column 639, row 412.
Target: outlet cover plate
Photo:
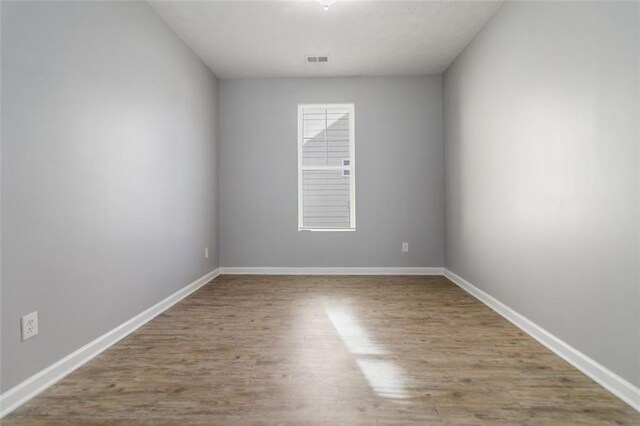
column 29, row 324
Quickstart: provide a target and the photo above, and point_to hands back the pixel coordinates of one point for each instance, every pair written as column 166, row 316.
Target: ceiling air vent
column 316, row 59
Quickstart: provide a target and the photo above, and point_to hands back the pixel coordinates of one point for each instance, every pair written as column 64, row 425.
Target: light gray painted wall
column 108, row 172
column 399, row 173
column 541, row 159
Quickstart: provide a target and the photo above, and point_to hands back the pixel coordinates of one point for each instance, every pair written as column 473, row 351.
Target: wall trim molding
column 29, row 388
column 23, row 392
column 597, row 372
column 329, row 271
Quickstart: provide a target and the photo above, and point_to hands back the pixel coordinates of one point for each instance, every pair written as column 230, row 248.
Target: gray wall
column 541, row 159
column 399, row 175
column 108, row 172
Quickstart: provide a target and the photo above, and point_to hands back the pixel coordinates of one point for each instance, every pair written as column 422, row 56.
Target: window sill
column 327, row 229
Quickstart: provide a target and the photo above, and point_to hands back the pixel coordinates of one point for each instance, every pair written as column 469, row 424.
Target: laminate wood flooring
column 327, row 350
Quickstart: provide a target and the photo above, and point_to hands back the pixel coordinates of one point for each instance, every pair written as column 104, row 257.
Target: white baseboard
column 21, row 393
column 600, row 374
column 330, row 271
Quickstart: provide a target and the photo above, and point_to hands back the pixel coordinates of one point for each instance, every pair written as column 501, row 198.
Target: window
column 326, row 168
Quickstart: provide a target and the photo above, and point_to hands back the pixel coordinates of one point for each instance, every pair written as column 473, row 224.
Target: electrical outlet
column 206, row 252
column 29, row 325
column 405, row 247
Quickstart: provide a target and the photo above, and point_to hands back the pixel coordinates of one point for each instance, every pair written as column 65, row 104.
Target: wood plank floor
column 297, row 350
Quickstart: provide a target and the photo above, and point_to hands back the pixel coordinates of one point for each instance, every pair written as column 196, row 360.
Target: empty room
column 319, row 212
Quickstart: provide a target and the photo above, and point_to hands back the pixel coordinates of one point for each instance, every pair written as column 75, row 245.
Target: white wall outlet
column 405, row 247
column 29, row 324
column 206, row 252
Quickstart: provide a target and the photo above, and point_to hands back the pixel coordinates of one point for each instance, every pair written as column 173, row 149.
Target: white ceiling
column 240, row 39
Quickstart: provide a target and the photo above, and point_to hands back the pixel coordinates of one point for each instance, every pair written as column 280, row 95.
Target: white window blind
column 326, row 167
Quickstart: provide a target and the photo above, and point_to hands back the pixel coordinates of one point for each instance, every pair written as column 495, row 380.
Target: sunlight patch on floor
column 383, row 376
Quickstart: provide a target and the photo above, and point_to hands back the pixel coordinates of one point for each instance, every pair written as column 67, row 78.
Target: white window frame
column 351, row 167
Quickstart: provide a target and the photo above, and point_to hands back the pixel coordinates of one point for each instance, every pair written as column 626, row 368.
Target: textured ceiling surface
column 241, row 39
